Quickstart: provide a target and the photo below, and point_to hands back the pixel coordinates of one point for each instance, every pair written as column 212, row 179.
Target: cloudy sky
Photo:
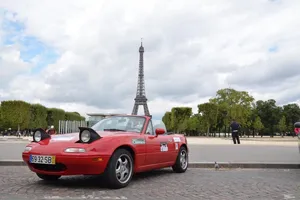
column 83, row 55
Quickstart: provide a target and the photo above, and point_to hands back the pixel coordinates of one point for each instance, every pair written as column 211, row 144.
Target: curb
column 262, row 140
column 12, row 163
column 227, row 165
column 233, row 165
column 14, row 139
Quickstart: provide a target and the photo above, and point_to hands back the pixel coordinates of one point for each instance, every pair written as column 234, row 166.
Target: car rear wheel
column 119, row 170
column 48, row 177
column 181, row 163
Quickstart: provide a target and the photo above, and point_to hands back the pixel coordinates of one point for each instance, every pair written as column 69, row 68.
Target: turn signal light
column 97, row 159
column 74, row 150
column 27, row 149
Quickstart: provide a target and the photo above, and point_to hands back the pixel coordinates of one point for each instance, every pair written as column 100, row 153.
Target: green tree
column 20, row 114
column 193, row 124
column 217, row 113
column 208, row 111
column 38, row 116
column 292, row 114
column 282, row 125
column 258, row 125
column 270, row 115
column 73, row 116
column 15, row 114
column 54, row 115
column 167, row 120
column 1, row 122
column 234, row 104
column 179, row 115
column 183, row 126
column 77, row 113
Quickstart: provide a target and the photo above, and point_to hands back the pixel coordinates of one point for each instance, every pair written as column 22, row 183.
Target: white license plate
column 40, row 159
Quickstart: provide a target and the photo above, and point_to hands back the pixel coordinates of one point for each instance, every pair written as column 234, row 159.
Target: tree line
column 21, row 115
column 214, row 117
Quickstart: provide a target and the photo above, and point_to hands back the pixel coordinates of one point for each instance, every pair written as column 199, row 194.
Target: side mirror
column 160, row 131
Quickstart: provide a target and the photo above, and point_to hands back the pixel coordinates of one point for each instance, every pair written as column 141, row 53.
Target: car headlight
column 40, row 135
column 88, row 135
column 74, row 150
column 85, row 136
column 37, row 136
column 27, row 149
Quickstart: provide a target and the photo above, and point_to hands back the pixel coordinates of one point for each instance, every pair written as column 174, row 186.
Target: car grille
column 51, row 168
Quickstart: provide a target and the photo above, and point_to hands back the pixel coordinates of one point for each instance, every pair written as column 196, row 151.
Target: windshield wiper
column 114, row 129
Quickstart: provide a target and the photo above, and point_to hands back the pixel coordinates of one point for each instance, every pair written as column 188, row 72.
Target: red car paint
column 94, row 161
column 297, row 130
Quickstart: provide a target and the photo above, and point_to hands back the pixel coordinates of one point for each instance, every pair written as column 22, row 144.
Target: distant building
column 96, row 117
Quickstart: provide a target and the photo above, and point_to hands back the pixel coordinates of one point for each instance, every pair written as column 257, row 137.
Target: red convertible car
column 117, row 147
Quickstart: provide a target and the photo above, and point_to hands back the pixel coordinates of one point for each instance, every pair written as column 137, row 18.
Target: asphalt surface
column 203, row 153
column 19, row 183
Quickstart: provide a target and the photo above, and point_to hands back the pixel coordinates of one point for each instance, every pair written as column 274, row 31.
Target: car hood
column 74, row 137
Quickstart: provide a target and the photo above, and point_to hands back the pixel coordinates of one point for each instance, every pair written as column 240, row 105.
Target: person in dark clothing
column 51, row 131
column 235, row 126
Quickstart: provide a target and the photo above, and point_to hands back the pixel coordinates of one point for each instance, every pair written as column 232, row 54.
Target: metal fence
column 70, row 126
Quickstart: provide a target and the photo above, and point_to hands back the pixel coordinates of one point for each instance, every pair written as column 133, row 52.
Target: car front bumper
column 70, row 165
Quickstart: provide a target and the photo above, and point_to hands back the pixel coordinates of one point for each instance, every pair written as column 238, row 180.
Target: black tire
column 110, row 173
column 179, row 167
column 48, row 177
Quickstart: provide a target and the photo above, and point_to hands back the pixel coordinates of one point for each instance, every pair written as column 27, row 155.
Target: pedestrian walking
column 235, row 126
column 51, row 131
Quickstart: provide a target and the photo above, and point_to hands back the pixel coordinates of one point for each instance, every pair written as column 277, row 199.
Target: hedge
column 16, row 113
column 54, row 115
column 38, row 116
column 1, row 122
column 73, row 116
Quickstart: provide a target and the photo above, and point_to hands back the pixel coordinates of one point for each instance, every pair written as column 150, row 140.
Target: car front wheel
column 181, row 163
column 48, row 177
column 119, row 170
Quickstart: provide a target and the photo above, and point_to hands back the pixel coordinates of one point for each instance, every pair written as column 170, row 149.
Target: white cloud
column 11, row 65
column 192, row 48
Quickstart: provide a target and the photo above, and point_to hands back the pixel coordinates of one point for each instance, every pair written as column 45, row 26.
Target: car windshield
column 159, row 124
column 120, row 123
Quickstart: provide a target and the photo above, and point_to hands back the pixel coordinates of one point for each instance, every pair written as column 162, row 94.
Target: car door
column 167, row 148
column 173, row 146
column 153, row 152
column 159, row 148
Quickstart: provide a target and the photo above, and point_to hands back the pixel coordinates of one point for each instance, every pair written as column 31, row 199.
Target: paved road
column 19, row 183
column 203, row 153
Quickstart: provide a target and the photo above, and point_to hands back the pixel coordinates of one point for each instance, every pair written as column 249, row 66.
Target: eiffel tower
column 140, row 99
